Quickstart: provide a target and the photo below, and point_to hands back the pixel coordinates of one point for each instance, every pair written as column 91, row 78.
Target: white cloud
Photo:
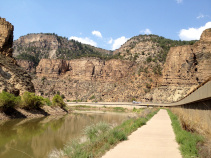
column 200, row 16
column 97, row 33
column 146, row 31
column 193, row 33
column 85, row 40
column 179, row 1
column 110, row 41
column 118, row 42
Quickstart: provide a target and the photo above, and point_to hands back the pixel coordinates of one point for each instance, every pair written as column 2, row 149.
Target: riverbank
column 99, row 138
column 14, row 113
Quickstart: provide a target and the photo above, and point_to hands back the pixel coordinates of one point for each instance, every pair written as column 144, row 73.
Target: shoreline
column 20, row 113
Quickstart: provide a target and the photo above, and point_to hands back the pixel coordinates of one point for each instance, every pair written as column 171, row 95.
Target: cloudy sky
column 108, row 23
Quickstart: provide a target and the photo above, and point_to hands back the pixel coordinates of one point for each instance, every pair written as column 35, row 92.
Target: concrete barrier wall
column 203, row 93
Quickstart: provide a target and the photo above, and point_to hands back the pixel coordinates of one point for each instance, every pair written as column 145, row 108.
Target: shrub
column 94, row 131
column 58, row 101
column 8, row 100
column 47, row 101
column 30, row 101
column 119, row 134
column 149, row 59
column 92, row 97
column 148, row 86
column 62, row 96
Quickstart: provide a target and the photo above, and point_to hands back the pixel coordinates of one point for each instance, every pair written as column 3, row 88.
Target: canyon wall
column 84, row 69
column 185, row 68
column 12, row 77
column 143, row 72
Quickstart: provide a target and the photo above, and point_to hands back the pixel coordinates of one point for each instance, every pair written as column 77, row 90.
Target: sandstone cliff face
column 189, row 65
column 84, row 69
column 90, row 79
column 47, row 44
column 27, row 65
column 185, row 68
column 12, row 77
column 6, row 37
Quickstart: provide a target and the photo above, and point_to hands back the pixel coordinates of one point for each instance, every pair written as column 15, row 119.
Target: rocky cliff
column 86, row 79
column 12, row 77
column 185, row 68
column 34, row 47
column 84, row 69
column 6, row 38
column 149, row 68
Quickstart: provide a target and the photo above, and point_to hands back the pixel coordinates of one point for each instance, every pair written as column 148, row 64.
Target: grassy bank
column 101, row 137
column 106, row 108
column 188, row 141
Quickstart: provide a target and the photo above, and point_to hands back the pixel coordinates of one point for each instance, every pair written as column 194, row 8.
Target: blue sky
column 108, row 23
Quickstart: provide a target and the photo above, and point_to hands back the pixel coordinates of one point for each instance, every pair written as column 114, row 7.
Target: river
column 25, row 138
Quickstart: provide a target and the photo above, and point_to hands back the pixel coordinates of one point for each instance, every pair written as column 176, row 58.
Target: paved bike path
column 156, row 139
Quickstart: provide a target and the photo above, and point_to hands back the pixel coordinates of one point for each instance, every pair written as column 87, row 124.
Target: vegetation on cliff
column 62, row 48
column 155, row 48
column 71, row 49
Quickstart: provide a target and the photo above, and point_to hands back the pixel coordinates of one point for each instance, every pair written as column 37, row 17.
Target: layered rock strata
column 12, row 77
column 84, row 69
column 189, row 65
column 185, row 68
column 6, row 37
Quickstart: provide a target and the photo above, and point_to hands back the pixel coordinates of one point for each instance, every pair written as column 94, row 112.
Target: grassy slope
column 102, row 137
column 187, row 140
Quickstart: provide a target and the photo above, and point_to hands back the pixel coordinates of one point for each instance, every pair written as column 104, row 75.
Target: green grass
column 102, row 136
column 187, row 140
column 137, row 110
column 120, row 109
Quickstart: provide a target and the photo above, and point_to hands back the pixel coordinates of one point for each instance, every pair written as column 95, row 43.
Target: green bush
column 8, row 100
column 47, row 101
column 92, row 97
column 30, row 101
column 149, row 59
column 58, row 101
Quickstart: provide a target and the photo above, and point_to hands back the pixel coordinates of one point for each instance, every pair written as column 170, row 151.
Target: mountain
column 146, row 67
column 34, row 47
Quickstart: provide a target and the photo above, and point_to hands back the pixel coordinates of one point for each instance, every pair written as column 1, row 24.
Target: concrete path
column 154, row 140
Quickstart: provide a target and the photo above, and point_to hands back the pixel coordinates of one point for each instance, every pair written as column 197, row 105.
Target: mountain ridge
column 135, row 71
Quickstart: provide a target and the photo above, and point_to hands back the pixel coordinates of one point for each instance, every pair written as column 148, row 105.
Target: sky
column 108, row 23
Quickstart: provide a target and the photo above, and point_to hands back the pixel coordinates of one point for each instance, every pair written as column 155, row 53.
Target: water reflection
column 24, row 138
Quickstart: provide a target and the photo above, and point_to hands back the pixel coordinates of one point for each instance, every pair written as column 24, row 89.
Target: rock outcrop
column 189, row 65
column 84, row 69
column 185, row 68
column 12, row 77
column 27, row 65
column 6, row 37
column 51, row 46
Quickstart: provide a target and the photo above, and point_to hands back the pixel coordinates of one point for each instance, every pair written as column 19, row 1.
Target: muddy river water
column 36, row 138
